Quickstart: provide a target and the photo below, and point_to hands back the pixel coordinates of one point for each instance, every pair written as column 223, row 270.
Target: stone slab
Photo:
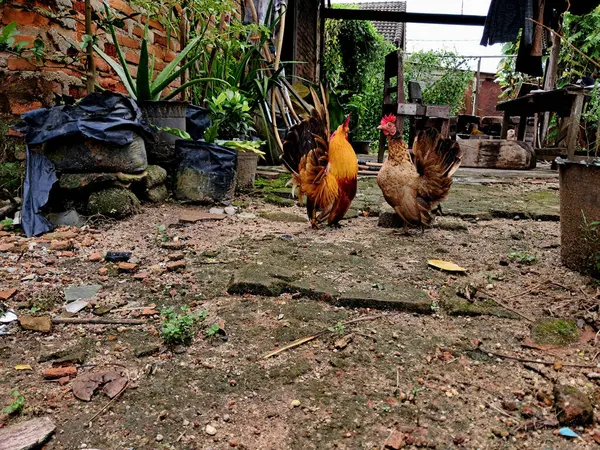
column 199, row 216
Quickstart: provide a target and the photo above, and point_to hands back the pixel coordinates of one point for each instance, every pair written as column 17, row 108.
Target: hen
column 415, row 186
column 324, row 168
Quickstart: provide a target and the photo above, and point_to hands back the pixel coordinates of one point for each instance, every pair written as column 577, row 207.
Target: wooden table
column 567, row 102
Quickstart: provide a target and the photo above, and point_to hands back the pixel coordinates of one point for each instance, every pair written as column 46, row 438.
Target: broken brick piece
column 8, row 293
column 176, row 266
column 95, row 257
column 61, row 245
column 127, row 267
column 55, row 373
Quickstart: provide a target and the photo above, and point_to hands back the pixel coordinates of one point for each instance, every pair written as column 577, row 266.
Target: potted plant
column 233, row 127
column 149, row 91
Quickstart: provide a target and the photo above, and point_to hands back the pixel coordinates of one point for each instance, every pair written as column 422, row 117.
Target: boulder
column 68, row 218
column 116, row 203
column 76, row 154
column 497, row 154
column 573, row 406
column 157, row 194
column 155, row 175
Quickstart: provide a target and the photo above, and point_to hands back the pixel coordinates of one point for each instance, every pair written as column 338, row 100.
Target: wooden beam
column 404, row 17
column 574, row 122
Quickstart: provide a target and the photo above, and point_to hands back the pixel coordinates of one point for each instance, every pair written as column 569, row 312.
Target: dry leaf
column 558, row 364
column 448, row 266
column 23, row 367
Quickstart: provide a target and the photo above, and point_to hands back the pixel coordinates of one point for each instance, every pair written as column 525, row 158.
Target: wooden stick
column 94, row 321
column 306, row 339
column 508, row 308
column 533, row 361
column 114, row 399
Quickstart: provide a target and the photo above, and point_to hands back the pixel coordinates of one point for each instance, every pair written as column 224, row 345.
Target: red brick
column 169, row 56
column 101, row 65
column 176, row 266
column 79, row 7
column 160, row 40
column 138, row 31
column 132, row 57
column 110, row 49
column 95, row 257
column 127, row 267
column 16, row 63
column 158, row 52
column 24, row 18
column 61, row 245
column 24, row 38
column 120, row 5
column 22, row 108
column 8, row 293
column 129, row 42
column 59, row 372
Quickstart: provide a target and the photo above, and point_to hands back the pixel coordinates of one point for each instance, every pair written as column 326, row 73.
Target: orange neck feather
column 342, row 157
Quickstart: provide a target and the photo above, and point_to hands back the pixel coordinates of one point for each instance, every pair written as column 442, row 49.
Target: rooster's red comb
column 387, row 119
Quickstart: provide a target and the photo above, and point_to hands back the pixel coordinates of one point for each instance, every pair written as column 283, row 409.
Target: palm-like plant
column 145, row 87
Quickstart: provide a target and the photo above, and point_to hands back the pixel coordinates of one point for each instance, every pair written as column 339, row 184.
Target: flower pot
column 164, row 114
column 247, row 163
column 579, row 207
column 361, row 147
column 205, row 172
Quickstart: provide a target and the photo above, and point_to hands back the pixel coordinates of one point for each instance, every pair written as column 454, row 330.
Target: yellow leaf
column 445, row 265
column 558, row 364
column 23, row 367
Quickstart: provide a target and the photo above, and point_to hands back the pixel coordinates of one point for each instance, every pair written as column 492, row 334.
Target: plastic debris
column 117, row 256
column 23, row 367
column 75, row 307
column 8, row 317
column 567, row 432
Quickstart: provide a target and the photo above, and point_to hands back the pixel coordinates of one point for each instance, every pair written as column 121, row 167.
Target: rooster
column 415, row 186
column 323, row 167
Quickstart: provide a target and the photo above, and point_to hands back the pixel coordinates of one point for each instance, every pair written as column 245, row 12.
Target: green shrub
column 179, row 329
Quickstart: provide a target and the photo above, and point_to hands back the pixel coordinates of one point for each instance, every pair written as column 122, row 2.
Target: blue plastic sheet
column 39, row 178
column 102, row 116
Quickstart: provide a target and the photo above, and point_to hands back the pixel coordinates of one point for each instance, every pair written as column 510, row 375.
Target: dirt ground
column 426, row 368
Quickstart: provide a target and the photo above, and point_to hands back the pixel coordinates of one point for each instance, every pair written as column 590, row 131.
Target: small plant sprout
column 523, row 257
column 161, row 232
column 17, row 404
column 338, row 328
column 179, row 329
column 212, row 331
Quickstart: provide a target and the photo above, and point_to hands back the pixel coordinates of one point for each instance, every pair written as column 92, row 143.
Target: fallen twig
column 95, row 321
column 306, row 339
column 501, row 411
column 533, row 361
column 508, row 308
column 527, row 291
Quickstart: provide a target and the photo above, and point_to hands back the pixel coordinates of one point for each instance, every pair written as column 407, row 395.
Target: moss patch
column 276, row 200
column 113, row 203
column 557, row 332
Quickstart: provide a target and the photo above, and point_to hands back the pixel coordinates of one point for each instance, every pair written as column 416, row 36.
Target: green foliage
column 230, row 112
column 338, row 328
column 212, row 331
column 523, row 257
column 9, row 43
column 179, row 329
column 146, row 87
column 17, row 404
column 245, row 146
column 6, row 224
column 10, row 176
column 443, row 75
column 583, row 32
column 354, row 60
column 161, row 232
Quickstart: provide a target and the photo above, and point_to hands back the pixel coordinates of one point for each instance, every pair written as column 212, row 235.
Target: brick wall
column 489, row 91
column 26, row 84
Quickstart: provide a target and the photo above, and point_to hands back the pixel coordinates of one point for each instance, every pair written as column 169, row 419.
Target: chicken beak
column 380, row 127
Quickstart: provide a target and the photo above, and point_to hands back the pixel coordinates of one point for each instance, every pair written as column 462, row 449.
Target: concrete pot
column 247, row 162
column 361, row 147
column 579, row 204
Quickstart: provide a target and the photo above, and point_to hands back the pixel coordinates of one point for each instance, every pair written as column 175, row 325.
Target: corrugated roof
column 392, row 31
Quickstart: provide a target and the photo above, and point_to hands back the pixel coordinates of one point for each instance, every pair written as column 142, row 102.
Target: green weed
column 523, row 257
column 179, row 329
column 17, row 404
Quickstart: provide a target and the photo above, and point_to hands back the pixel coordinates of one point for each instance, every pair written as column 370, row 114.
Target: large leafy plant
column 231, row 116
column 146, row 87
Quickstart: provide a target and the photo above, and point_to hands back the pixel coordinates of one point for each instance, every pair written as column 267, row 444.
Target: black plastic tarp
column 107, row 117
column 103, row 116
column 197, row 121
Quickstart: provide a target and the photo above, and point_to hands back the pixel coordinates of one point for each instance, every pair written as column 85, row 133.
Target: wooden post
column 476, row 90
column 91, row 67
column 574, row 120
column 522, row 127
column 550, row 83
column 505, row 123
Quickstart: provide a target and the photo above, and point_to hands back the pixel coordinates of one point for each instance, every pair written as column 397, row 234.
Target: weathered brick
column 127, row 41
column 132, row 57
column 120, row 5
column 160, row 40
column 110, row 49
column 23, row 17
column 21, row 108
column 16, row 63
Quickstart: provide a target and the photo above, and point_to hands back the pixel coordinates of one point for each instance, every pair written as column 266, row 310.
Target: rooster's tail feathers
column 430, row 149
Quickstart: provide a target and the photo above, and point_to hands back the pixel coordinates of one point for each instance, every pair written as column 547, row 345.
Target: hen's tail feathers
column 430, row 149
